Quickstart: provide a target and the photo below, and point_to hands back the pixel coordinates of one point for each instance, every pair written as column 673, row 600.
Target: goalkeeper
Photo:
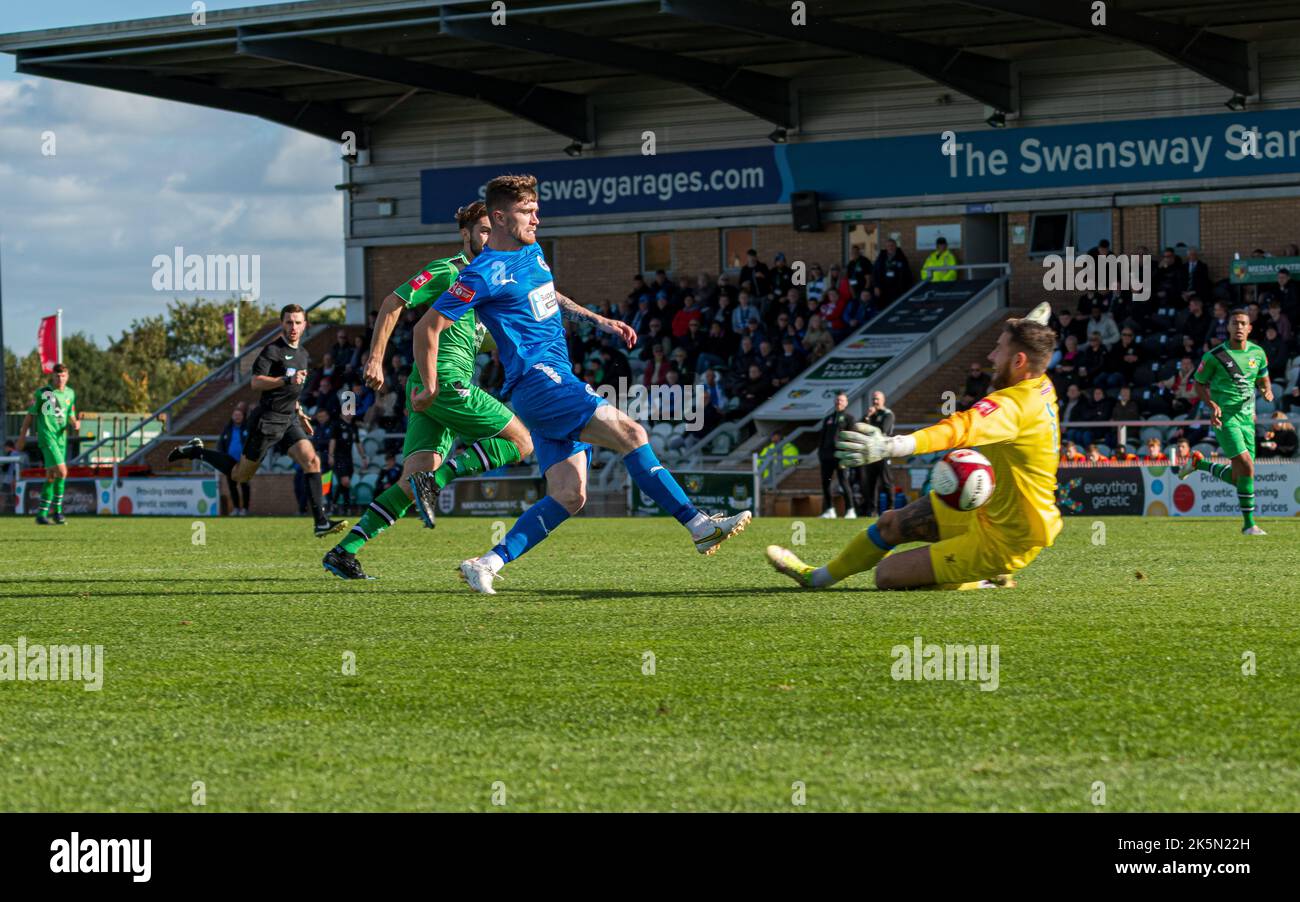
column 1016, row 427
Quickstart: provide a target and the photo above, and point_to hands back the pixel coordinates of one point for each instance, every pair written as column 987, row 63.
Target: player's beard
column 1003, row 377
column 523, row 236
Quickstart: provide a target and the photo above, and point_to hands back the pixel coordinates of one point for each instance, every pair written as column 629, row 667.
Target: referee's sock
column 484, row 455
column 391, row 505
column 1246, row 499
column 316, row 495
column 218, row 460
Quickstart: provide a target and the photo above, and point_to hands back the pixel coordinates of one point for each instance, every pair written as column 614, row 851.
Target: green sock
column 1218, row 471
column 58, row 495
column 479, row 457
column 391, row 505
column 47, row 495
column 1246, row 499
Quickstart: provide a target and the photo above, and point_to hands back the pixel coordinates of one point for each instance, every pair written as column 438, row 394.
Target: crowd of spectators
column 1121, row 359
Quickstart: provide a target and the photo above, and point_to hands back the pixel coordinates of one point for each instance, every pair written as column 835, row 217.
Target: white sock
column 821, row 578
column 493, row 561
column 700, row 525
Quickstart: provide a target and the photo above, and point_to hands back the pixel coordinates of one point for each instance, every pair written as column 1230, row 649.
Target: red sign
column 463, row 291
column 985, row 406
column 47, row 342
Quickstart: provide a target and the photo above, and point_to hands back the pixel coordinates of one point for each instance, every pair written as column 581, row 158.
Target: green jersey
column 51, row 409
column 1231, row 376
column 459, row 342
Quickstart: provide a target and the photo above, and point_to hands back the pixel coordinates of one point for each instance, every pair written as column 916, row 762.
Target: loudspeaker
column 805, row 211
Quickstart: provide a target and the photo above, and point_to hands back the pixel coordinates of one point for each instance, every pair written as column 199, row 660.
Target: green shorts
column 1237, row 434
column 459, row 411
column 55, row 453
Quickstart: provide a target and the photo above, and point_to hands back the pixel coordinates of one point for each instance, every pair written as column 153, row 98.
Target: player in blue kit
column 509, row 286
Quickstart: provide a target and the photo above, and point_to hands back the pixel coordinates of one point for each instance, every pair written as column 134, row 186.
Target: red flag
column 47, row 342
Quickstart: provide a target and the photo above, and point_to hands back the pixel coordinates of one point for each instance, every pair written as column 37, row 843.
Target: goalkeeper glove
column 866, row 444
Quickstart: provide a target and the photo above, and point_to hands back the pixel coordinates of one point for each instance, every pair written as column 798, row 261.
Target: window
column 1049, row 233
column 1090, row 228
column 1180, row 228
column 865, row 235
column 656, row 253
column 735, row 245
column 1052, row 233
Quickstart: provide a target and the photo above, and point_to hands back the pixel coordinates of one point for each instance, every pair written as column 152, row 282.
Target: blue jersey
column 513, row 294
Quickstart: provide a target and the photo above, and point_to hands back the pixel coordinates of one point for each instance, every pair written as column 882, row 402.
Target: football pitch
column 619, row 670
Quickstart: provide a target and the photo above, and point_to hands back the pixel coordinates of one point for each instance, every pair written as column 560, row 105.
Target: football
column 963, row 479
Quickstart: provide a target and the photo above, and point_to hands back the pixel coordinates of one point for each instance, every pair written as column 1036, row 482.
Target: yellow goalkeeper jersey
column 1017, row 429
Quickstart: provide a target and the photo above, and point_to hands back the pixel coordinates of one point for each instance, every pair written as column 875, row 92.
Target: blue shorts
column 555, row 406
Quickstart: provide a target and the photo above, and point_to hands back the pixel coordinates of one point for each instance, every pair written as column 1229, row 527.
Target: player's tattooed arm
column 571, row 309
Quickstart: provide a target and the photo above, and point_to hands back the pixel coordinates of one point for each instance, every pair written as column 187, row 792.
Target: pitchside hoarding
column 994, row 161
column 131, row 497
column 718, row 492
column 506, row 497
column 1158, row 492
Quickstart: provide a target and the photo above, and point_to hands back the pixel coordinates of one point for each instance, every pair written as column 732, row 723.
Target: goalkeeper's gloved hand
column 863, row 444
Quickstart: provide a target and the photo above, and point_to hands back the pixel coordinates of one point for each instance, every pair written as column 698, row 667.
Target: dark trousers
column 831, row 470
column 239, row 492
column 876, row 478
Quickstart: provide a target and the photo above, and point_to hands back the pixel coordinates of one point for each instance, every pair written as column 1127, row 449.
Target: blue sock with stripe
column 533, row 525
column 654, row 479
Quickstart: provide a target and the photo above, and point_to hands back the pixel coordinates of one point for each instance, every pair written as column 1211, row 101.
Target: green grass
column 223, row 663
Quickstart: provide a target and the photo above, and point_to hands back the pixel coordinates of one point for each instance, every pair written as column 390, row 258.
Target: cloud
column 133, row 177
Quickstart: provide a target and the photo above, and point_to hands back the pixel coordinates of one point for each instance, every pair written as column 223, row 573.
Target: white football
column 963, row 479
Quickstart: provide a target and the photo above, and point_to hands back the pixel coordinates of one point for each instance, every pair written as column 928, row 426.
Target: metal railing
column 228, row 369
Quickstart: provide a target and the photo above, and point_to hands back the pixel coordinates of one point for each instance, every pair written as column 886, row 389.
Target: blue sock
column 655, row 480
column 873, row 533
column 533, row 525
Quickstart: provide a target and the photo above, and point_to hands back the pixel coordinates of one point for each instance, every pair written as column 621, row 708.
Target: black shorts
column 272, row 430
column 343, row 467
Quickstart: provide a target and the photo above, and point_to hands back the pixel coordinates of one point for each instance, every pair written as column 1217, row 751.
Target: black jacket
column 833, row 424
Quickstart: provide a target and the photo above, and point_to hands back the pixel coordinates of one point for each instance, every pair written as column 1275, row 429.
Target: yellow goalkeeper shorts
column 970, row 547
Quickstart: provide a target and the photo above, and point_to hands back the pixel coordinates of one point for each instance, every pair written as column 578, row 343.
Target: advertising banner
column 1135, row 151
column 716, row 492
column 1100, row 491
column 1277, row 493
column 506, row 497
column 1261, row 270
column 80, row 496
column 163, row 497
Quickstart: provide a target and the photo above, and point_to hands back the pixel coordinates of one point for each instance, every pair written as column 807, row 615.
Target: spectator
column 641, row 318
column 837, row 421
column 706, row 291
column 835, row 279
column 1069, row 324
column 1092, row 360
column 744, row 314
column 757, row 272
column 1275, row 349
column 1070, row 453
column 832, row 310
column 656, row 373
column 232, row 441
column 1121, row 362
column 685, row 316
column 1281, row 439
column 940, row 256
column 817, row 340
column 782, row 276
column 492, row 378
column 1103, row 322
column 1153, row 454
column 1095, row 457
column 681, row 363
column 789, row 363
column 1193, row 321
column 893, row 274
column 1074, row 408
column 1280, row 320
column 756, row 389
column 1287, row 293
column 341, row 350
column 1125, row 408
column 1196, row 277
column 1098, row 411
column 977, row 381
column 1217, row 333
column 715, row 348
column 639, row 289
column 1067, row 363
column 1170, row 277
column 1290, row 402
column 778, row 454
column 713, row 389
column 816, row 283
column 858, row 272
column 389, row 475
column 875, row 477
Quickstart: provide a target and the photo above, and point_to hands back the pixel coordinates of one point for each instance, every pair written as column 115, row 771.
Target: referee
column 836, row 422
column 278, row 420
column 876, row 477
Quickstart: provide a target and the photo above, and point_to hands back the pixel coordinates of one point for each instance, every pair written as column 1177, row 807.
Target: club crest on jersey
column 985, row 406
column 463, row 291
column 541, row 261
column 420, row 279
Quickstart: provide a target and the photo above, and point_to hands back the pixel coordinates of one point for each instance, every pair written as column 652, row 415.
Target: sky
column 131, row 178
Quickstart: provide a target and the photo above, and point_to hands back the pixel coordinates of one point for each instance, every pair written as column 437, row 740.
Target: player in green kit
column 1226, row 381
column 54, row 409
column 495, row 438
